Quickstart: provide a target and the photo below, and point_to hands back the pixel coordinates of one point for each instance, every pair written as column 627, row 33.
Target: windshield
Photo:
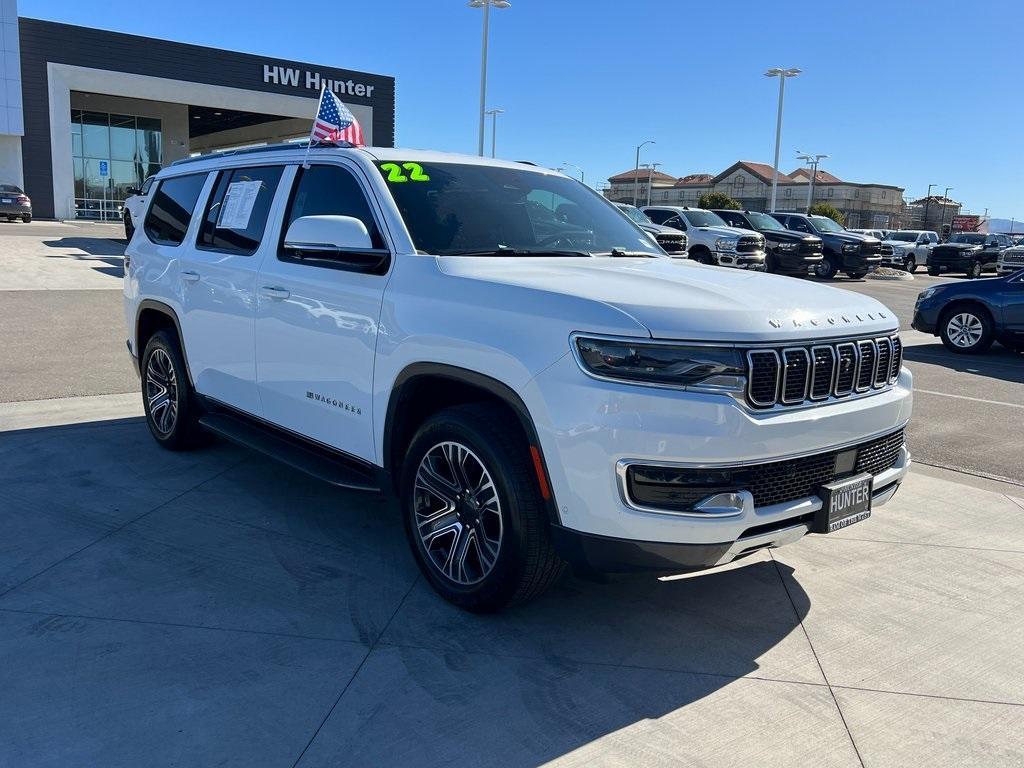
column 972, row 238
column 453, row 209
column 825, row 224
column 704, row 219
column 904, row 237
column 635, row 214
column 10, row 188
column 764, row 221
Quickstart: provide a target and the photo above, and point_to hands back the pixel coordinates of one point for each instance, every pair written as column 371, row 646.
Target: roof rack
column 290, row 145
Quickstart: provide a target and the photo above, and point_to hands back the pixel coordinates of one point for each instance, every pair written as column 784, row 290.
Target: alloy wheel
column 458, row 513
column 161, row 391
column 964, row 330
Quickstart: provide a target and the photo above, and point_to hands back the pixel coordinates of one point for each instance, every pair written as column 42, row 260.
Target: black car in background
column 968, row 252
column 672, row 241
column 969, row 316
column 14, row 203
column 787, row 252
column 844, row 251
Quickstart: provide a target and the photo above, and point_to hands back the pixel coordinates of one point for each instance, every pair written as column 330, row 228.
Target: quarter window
column 328, row 190
column 171, row 210
column 236, row 215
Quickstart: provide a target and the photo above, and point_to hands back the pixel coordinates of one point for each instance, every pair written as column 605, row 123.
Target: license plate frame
column 843, row 503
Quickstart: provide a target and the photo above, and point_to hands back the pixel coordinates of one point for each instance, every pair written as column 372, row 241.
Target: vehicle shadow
column 998, row 363
column 222, row 540
column 105, row 251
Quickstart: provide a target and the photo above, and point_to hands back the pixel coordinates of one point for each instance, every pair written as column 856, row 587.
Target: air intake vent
column 868, row 358
column 897, row 359
column 884, row 362
column 847, row 355
column 796, row 367
column 763, row 387
column 822, row 372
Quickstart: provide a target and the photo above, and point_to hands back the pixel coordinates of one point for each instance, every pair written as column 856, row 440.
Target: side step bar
column 296, row 453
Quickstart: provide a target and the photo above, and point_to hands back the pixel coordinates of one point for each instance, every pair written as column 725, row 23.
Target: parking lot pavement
column 214, row 608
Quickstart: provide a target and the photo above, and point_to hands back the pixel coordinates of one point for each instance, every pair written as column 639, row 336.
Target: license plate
column 844, row 503
column 6, row 200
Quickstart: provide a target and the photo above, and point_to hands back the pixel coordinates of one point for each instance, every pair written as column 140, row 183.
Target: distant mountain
column 1003, row 225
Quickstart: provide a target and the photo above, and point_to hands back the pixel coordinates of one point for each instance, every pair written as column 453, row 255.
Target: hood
column 852, row 237
column 960, row 246
column 680, row 299
column 726, row 231
column 660, row 229
column 790, row 236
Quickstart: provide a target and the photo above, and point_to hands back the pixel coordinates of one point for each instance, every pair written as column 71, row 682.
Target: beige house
column 864, row 205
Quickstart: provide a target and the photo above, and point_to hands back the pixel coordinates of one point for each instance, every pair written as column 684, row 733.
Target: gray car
column 14, row 203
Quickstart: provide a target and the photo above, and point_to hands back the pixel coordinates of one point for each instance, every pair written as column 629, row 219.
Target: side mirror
column 133, row 191
column 342, row 242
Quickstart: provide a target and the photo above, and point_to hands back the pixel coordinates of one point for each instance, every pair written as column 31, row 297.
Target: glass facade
column 130, row 146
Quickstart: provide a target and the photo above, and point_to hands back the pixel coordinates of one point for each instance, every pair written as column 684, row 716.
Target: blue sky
column 906, row 93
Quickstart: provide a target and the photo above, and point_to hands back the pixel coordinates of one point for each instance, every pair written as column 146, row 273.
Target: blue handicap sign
column 104, row 168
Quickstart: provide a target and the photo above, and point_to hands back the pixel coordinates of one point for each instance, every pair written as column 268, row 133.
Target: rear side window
column 328, row 190
column 658, row 217
column 236, row 215
column 734, row 220
column 171, row 210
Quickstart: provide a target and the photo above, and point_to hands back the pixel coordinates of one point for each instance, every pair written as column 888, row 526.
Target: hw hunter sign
column 312, row 81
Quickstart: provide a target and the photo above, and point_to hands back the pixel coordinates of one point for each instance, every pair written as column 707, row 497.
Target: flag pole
column 309, row 144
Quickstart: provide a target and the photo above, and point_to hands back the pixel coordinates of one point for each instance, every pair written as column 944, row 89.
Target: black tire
column 958, row 326
column 974, row 271
column 856, row 275
column 26, row 219
column 826, row 269
column 910, row 264
column 129, row 227
column 181, row 431
column 933, row 271
column 702, row 256
column 525, row 563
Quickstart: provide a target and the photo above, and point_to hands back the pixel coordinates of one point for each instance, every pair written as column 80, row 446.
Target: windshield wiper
column 519, row 252
column 623, row 253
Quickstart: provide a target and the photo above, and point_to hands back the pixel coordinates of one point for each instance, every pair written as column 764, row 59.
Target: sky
column 902, row 92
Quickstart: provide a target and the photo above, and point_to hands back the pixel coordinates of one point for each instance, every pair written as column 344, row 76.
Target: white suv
column 709, row 239
column 516, row 360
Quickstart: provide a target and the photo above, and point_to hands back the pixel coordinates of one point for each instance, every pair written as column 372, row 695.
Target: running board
column 320, row 463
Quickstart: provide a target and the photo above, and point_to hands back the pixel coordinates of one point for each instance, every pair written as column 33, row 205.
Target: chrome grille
column 794, row 375
column 749, row 244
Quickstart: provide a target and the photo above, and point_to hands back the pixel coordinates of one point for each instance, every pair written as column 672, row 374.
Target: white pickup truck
column 910, row 248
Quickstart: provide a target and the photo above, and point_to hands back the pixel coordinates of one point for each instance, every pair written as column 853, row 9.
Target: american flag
column 334, row 121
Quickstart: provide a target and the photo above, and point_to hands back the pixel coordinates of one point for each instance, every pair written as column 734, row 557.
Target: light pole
column 486, row 5
column 927, row 204
column 782, row 74
column 494, row 126
column 651, row 168
column 636, row 169
column 571, row 165
column 945, row 203
column 813, row 162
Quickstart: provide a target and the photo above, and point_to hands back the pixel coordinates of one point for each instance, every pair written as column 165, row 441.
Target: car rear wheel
column 966, row 330
column 910, row 264
column 856, row 275
column 974, row 271
column 933, row 271
column 473, row 511
column 172, row 413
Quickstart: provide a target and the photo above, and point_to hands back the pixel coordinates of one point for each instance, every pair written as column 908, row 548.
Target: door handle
column 273, row 292
column 190, row 276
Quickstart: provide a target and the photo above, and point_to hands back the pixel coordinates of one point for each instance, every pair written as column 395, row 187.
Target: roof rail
column 291, row 145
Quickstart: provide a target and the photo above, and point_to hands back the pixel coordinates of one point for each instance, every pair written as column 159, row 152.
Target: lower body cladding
column 650, row 479
column 753, row 260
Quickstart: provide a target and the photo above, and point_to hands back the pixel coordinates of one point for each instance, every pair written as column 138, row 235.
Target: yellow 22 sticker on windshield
column 395, row 175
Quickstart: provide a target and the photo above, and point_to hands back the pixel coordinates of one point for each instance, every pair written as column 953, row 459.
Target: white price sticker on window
column 238, row 204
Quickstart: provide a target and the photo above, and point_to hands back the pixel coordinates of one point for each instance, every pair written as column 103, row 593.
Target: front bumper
column 1008, row 269
column 587, row 427
column 857, row 262
column 752, row 260
column 15, row 210
column 790, row 263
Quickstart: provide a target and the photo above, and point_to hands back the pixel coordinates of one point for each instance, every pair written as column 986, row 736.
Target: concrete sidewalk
column 215, row 608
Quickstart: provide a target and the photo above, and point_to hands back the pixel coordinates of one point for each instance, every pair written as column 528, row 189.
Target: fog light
column 724, row 504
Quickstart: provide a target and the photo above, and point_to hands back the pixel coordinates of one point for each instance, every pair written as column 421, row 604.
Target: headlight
column 708, row 368
column 851, row 248
column 788, row 246
column 927, row 293
column 726, row 243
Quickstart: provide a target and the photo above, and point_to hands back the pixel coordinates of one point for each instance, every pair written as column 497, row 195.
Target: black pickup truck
column 967, row 252
column 845, row 251
column 787, row 252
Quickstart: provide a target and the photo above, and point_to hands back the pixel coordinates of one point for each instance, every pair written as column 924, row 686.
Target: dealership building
column 87, row 114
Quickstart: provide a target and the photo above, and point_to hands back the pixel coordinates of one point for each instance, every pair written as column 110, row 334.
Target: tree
column 827, row 209
column 719, row 200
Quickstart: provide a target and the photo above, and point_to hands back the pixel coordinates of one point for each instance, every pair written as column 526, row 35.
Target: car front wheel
column 974, row 271
column 825, row 269
column 473, row 511
column 129, row 227
column 967, row 330
column 910, row 264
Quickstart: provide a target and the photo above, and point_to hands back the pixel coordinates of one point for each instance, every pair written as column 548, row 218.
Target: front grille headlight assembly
column 707, row 369
column 788, row 247
column 851, row 248
column 726, row 243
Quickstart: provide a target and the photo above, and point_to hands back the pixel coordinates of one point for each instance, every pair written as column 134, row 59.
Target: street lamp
column 927, row 204
column 571, row 165
column 782, row 74
column 945, row 203
column 486, row 5
column 494, row 126
column 651, row 168
column 636, row 169
column 813, row 162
